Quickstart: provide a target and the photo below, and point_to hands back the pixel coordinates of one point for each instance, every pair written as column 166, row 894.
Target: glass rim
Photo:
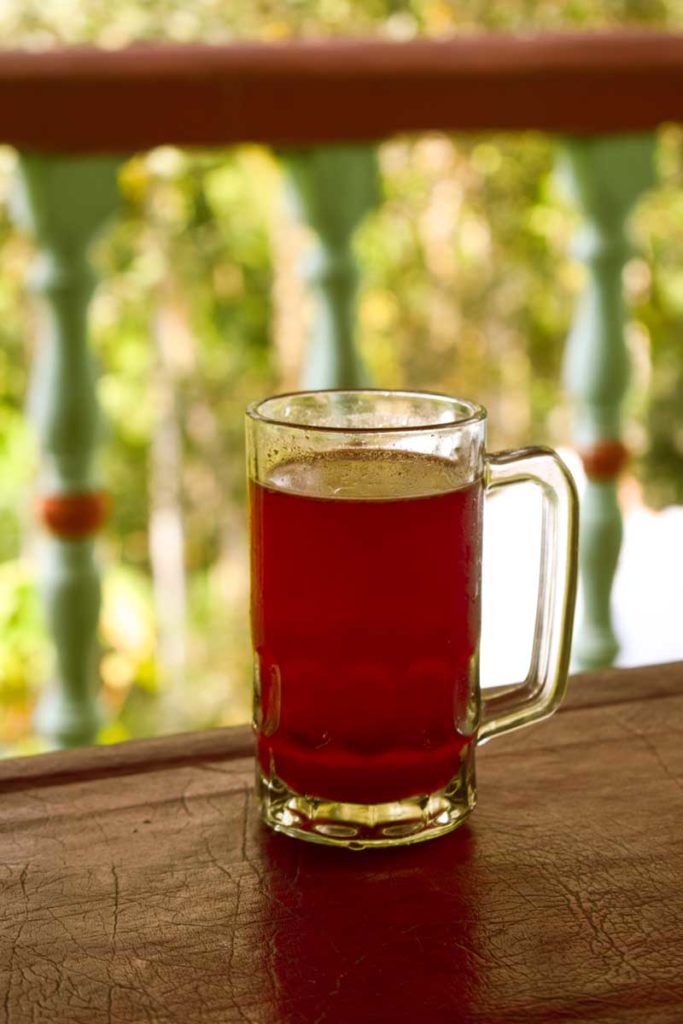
column 476, row 413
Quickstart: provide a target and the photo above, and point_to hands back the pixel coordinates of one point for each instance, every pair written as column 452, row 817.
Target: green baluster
column 65, row 201
column 605, row 176
column 331, row 190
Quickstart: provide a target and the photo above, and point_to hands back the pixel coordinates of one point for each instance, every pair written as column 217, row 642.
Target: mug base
column 413, row 819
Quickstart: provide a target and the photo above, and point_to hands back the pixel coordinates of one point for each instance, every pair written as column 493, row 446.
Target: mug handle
column 543, row 689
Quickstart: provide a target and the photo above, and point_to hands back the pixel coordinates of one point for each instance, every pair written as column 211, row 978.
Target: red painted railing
column 86, row 100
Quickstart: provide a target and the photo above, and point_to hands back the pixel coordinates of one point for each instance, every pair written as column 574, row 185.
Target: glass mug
column 366, row 526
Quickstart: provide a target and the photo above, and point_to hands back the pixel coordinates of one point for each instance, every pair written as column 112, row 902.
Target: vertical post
column 331, row 189
column 605, row 176
column 65, row 201
column 166, row 528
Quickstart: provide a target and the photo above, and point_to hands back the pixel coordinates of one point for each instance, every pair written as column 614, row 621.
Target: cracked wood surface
column 137, row 885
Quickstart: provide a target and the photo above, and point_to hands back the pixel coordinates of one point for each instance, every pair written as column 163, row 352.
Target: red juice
column 366, row 570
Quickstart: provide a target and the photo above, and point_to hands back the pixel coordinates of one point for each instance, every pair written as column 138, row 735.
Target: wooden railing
column 88, row 101
column 77, row 115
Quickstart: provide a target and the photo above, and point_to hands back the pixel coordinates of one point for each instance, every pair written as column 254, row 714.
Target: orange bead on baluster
column 605, row 460
column 73, row 516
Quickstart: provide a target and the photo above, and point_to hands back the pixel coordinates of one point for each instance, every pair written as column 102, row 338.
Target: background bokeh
column 468, row 286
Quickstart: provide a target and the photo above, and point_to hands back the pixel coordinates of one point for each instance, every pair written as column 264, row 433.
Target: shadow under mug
column 366, row 515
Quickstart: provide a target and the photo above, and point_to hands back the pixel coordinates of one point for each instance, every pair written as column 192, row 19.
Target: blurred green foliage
column 468, row 286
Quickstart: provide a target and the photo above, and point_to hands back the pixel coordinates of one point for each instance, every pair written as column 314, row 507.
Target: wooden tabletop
column 137, row 885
